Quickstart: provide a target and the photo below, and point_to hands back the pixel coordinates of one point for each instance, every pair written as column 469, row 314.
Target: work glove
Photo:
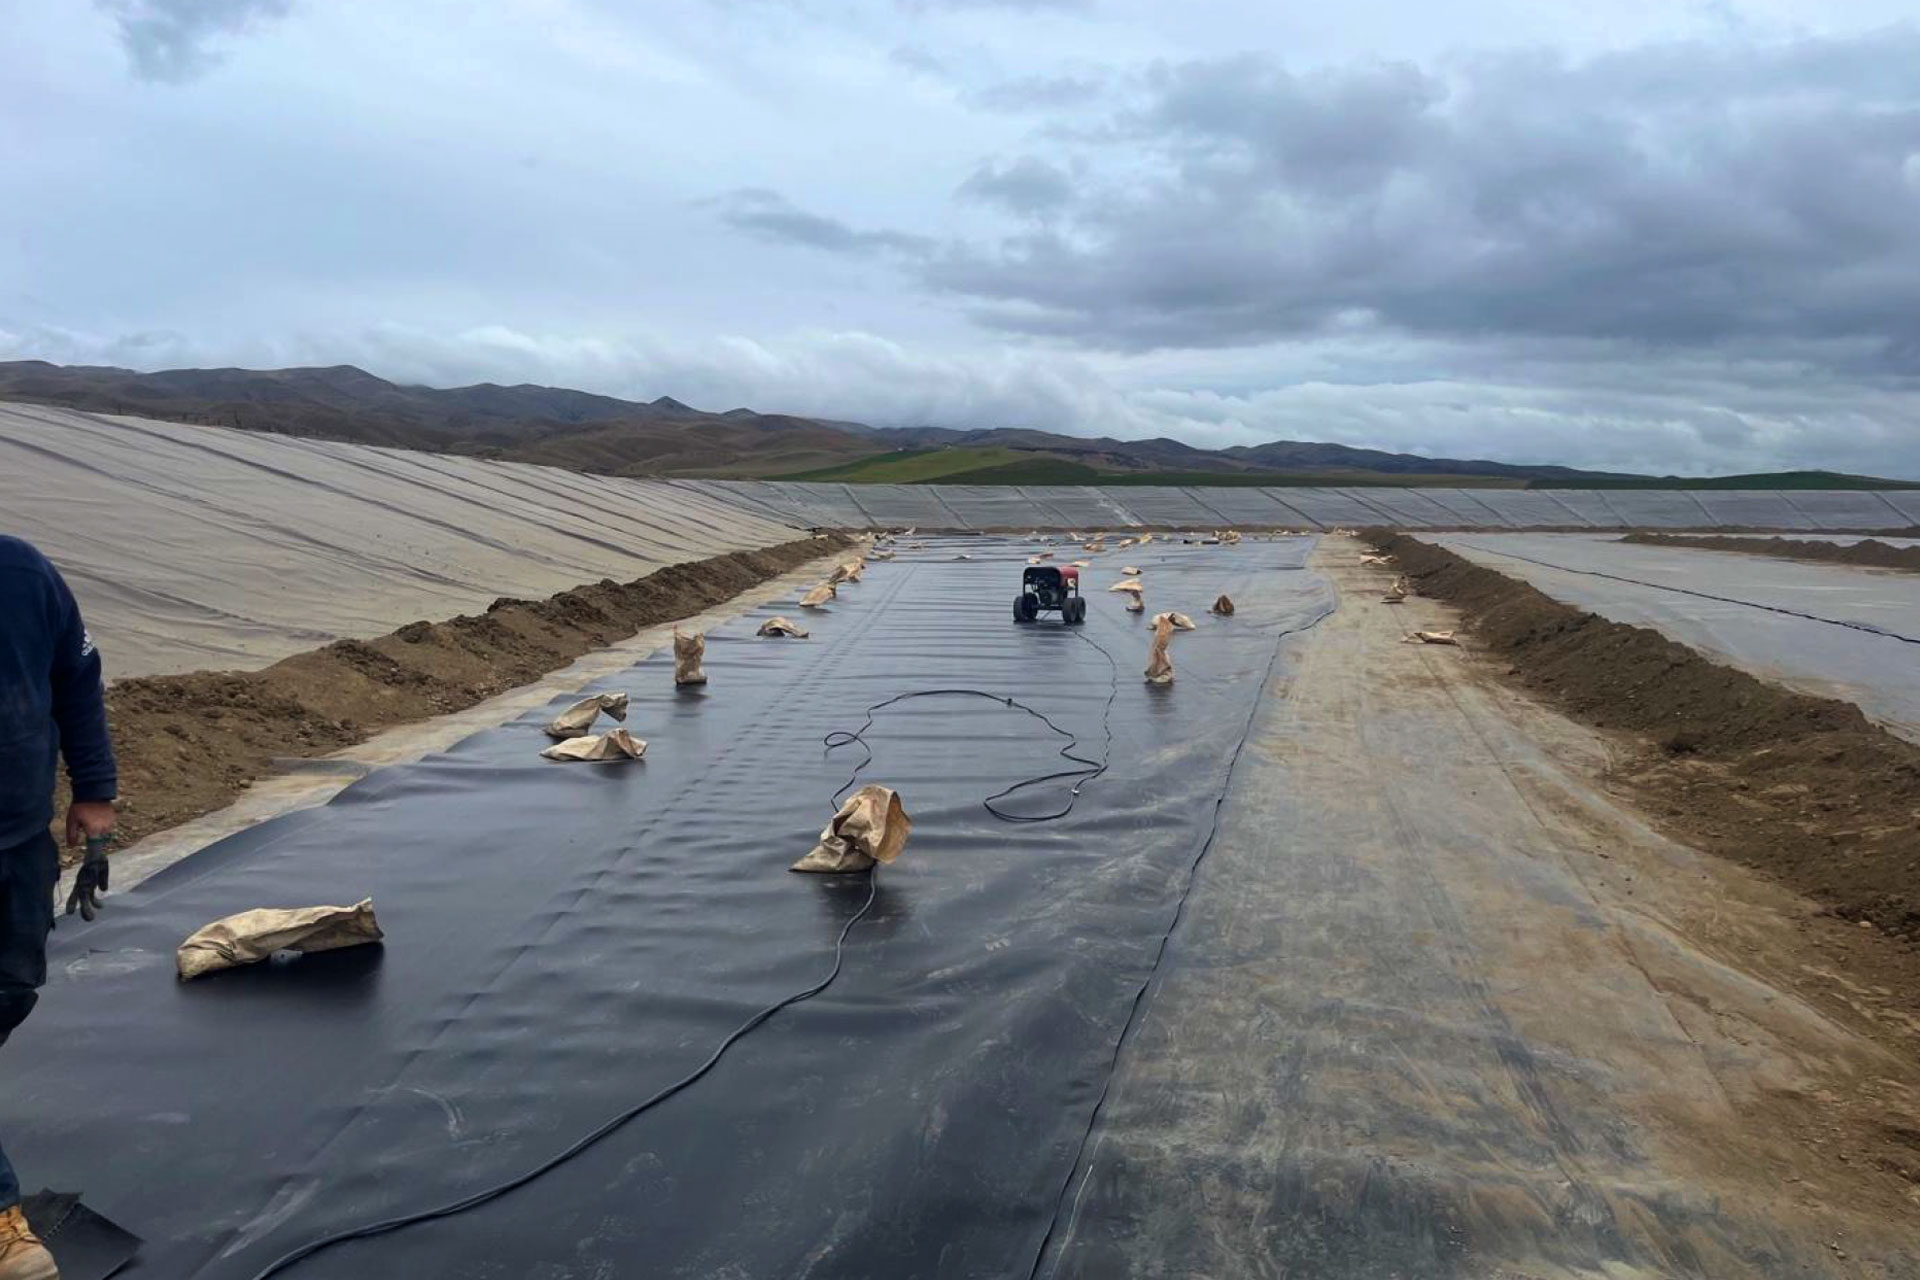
column 90, row 881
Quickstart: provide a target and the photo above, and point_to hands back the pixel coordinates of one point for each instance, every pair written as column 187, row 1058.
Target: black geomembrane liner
column 564, row 939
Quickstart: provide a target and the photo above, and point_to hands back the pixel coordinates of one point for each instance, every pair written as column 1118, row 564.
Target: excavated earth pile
column 1803, row 788
column 1867, row 553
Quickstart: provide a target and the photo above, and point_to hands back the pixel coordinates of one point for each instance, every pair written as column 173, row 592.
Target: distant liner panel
column 984, row 507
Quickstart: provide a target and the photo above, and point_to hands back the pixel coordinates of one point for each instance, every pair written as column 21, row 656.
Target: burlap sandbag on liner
column 1136, row 604
column 818, row 597
column 1397, row 592
column 1159, row 662
column 1429, row 637
column 252, row 936
column 615, row 744
column 688, row 651
column 781, row 627
column 1180, row 621
column 872, row 826
column 1223, row 606
column 578, row 718
column 1133, row 587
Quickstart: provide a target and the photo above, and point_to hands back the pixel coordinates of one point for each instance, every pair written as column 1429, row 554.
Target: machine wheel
column 1025, row 607
column 1074, row 611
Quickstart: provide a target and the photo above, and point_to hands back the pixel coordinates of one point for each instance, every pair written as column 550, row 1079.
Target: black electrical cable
column 1085, row 775
column 1091, row 768
column 553, row 1162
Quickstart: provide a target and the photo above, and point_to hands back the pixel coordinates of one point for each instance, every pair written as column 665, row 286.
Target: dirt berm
column 1802, row 788
column 189, row 744
column 1867, row 553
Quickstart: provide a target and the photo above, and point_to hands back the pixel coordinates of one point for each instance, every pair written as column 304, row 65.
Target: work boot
column 22, row 1256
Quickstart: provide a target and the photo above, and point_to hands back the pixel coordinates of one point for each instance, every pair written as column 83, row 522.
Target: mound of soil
column 1871, row 552
column 189, row 744
column 1803, row 788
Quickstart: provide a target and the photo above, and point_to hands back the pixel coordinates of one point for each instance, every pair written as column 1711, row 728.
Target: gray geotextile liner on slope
column 1832, row 630
column 954, row 506
column 201, row 548
column 563, row 941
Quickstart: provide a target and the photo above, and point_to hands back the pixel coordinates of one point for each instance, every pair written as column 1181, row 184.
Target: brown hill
column 524, row 423
column 588, row 432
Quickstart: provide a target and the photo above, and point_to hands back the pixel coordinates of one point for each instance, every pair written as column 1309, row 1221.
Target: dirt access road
column 1439, row 1007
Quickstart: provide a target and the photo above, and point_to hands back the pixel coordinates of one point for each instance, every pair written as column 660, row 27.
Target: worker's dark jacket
column 51, row 699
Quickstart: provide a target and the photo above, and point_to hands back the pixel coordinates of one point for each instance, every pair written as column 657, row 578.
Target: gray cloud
column 171, row 40
column 1061, row 92
column 1677, row 194
column 771, row 216
column 918, row 59
column 1028, row 187
column 1026, row 5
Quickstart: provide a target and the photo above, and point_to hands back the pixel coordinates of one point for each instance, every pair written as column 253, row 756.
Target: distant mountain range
column 664, row 437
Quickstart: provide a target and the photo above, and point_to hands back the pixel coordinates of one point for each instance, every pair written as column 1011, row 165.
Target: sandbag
column 1134, row 587
column 578, row 718
column 1159, row 661
column 883, row 555
column 1429, row 637
column 1083, row 564
column 1136, row 604
column 1145, row 538
column 872, row 826
column 1180, row 621
column 1223, row 606
column 252, row 936
column 781, row 627
column 1397, row 592
column 615, row 744
column 688, row 650
column 818, row 597
column 1132, row 571
column 1376, row 560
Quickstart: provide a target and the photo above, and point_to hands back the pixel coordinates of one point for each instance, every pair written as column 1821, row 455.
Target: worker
column 52, row 703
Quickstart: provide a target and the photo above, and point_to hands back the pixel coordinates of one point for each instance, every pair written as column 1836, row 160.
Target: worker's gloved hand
column 90, row 881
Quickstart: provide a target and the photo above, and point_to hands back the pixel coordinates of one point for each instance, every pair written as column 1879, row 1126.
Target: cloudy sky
column 1634, row 233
